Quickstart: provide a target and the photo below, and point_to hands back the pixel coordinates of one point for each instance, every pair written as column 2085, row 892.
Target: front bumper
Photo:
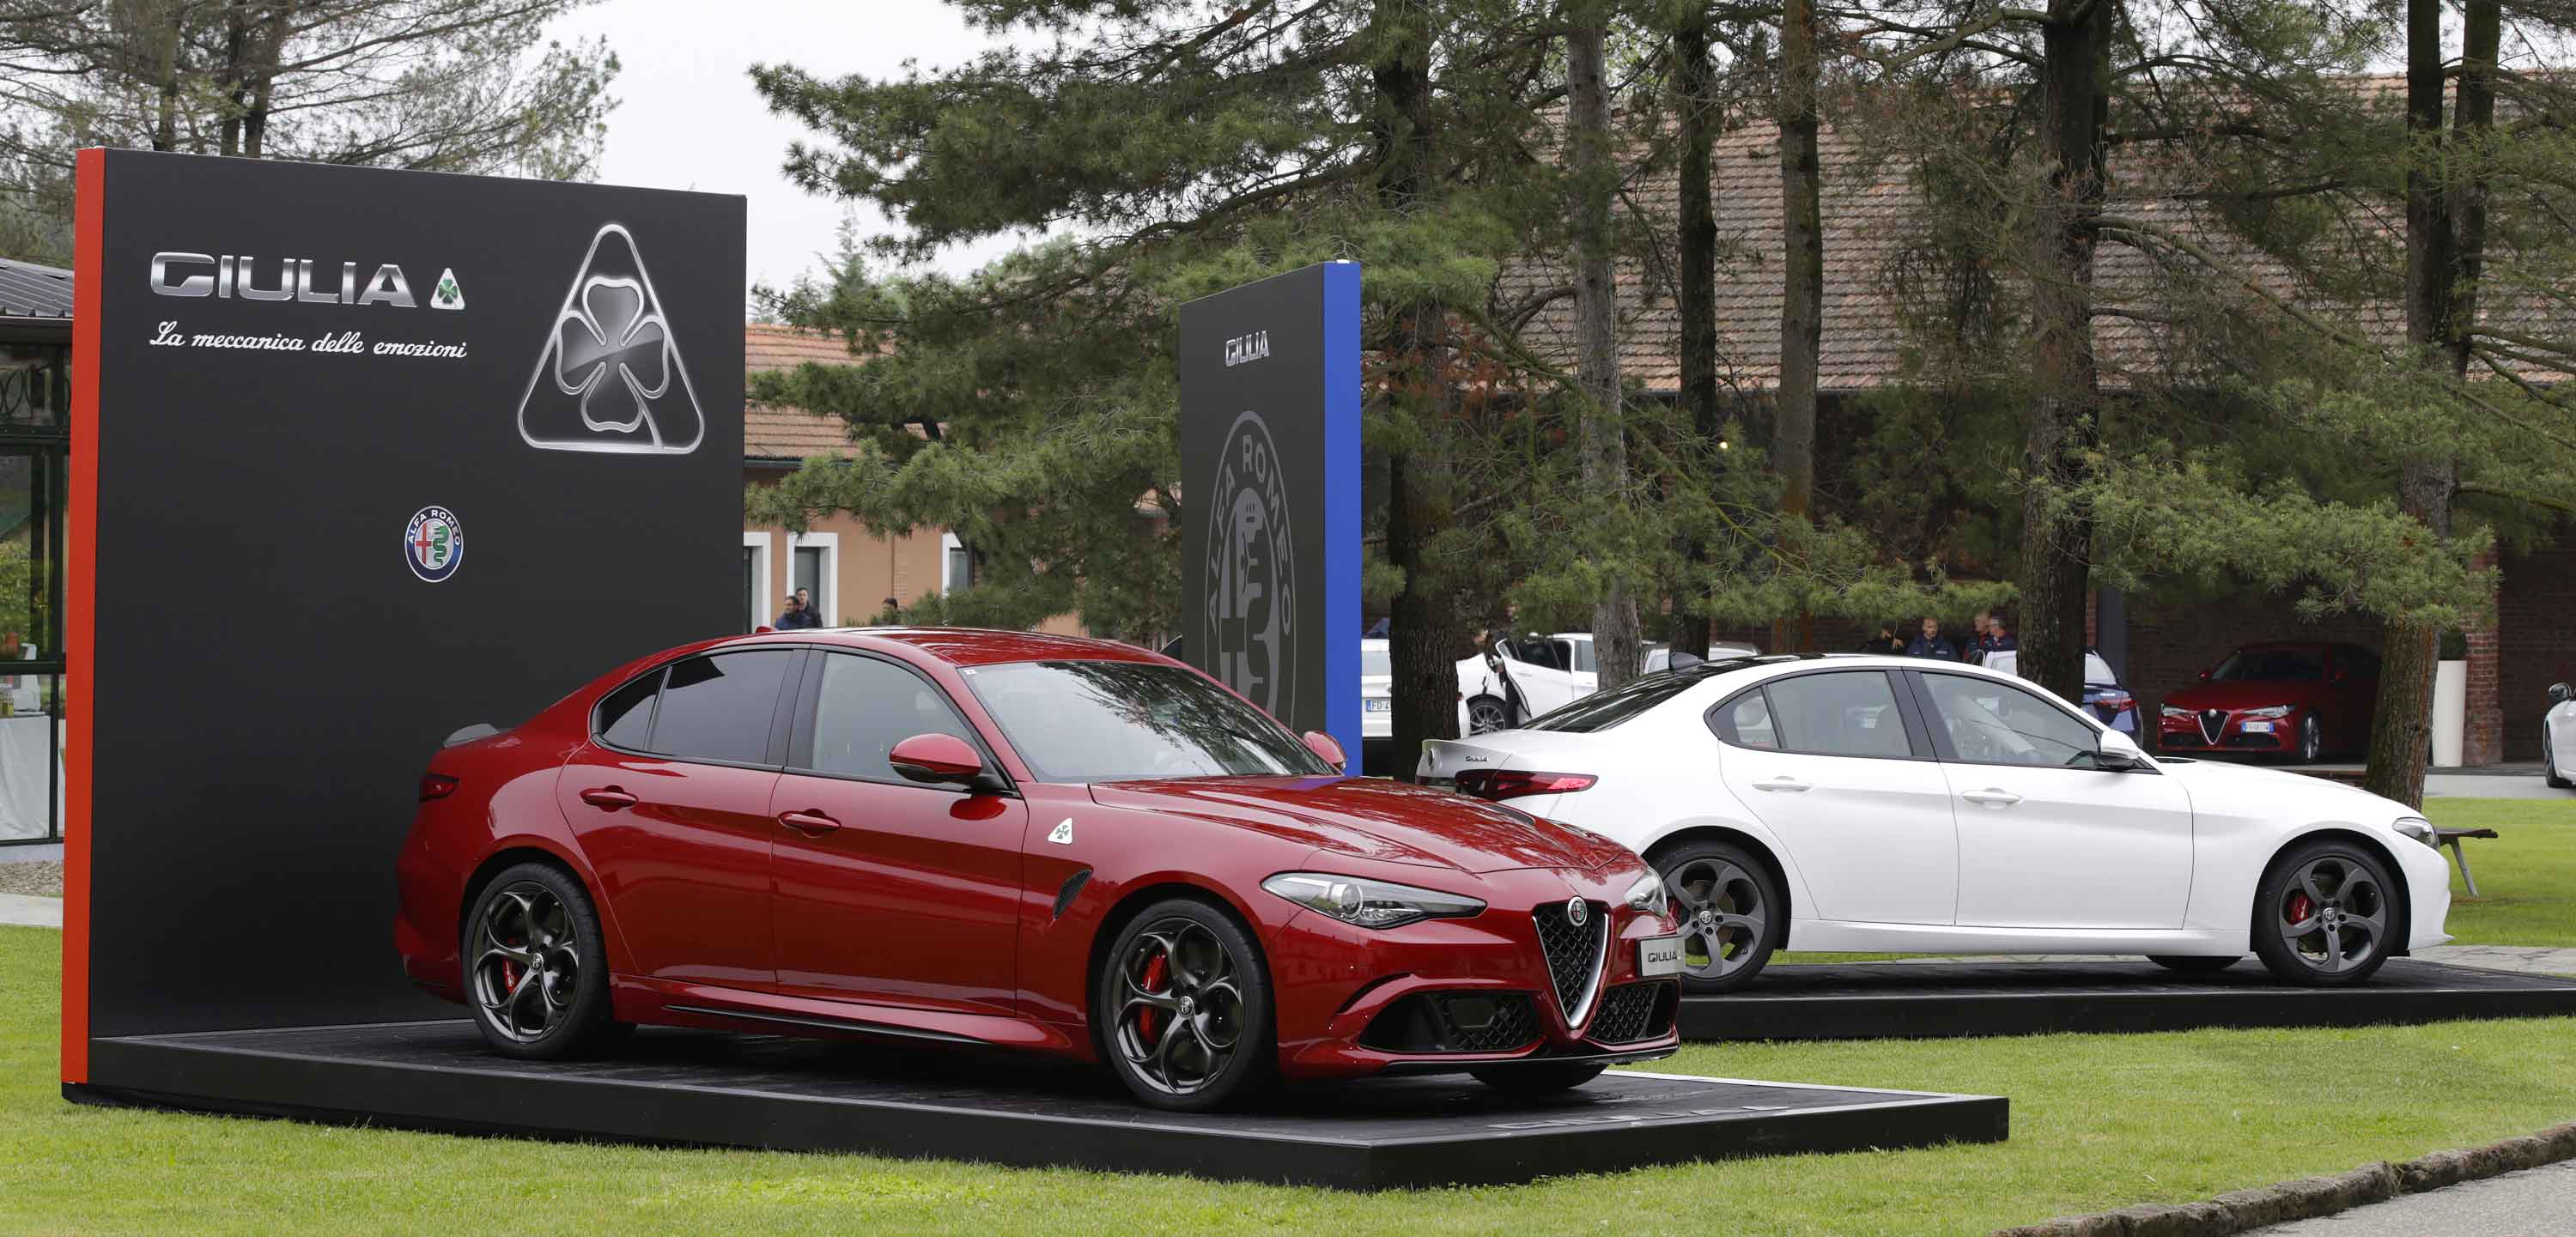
column 1445, row 995
column 2224, row 730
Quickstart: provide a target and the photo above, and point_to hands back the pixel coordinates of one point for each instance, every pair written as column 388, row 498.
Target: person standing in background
column 1886, row 641
column 1932, row 643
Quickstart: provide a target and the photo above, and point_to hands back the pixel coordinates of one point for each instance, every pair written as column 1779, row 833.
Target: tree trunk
column 1420, row 644
column 1696, row 81
column 2057, row 527
column 1596, row 311
column 1802, row 294
column 2401, row 733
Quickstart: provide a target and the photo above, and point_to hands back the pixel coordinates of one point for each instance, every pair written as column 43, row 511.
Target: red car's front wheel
column 1184, row 1008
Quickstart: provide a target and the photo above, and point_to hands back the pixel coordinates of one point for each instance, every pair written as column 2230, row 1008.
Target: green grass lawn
column 2098, row 1122
column 2526, row 877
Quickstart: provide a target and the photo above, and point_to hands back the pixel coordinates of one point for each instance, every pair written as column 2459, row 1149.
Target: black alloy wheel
column 2312, row 740
column 2201, row 964
column 1184, row 1008
column 2325, row 916
column 1538, row 1077
column 536, row 977
column 1728, row 904
column 1487, row 714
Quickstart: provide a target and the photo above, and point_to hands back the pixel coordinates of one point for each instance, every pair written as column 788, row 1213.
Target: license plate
column 1376, row 706
column 1659, row 955
column 2258, row 727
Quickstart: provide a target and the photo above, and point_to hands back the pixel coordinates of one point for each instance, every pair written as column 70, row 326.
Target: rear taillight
column 436, row 786
column 1501, row 784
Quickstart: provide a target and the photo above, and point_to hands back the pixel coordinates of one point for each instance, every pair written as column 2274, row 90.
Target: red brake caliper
column 1149, row 1020
column 2302, row 908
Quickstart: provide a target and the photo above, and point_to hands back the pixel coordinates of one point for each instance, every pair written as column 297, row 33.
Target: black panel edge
column 146, row 1073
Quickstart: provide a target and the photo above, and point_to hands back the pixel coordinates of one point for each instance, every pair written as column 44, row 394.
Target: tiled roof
column 31, row 291
column 776, row 432
column 1873, row 218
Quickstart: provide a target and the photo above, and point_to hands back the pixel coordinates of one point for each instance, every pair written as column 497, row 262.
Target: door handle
column 608, row 797
column 1991, row 796
column 808, row 823
column 1781, row 783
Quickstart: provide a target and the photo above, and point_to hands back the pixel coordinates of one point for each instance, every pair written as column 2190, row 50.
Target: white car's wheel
column 1487, row 714
column 1727, row 901
column 2324, row 916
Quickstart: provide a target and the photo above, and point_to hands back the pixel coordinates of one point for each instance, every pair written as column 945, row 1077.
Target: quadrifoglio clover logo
column 610, row 377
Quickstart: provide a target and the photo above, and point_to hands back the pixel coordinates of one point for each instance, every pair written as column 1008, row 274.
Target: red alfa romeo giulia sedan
column 1004, row 840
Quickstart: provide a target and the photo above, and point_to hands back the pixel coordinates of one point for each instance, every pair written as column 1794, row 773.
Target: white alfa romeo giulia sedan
column 1883, row 803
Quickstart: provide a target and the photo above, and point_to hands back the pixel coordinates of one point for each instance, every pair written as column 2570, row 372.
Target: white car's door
column 1539, row 668
column 2046, row 839
column 2558, row 730
column 1825, row 760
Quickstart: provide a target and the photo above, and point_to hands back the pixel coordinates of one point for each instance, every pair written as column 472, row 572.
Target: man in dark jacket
column 795, row 617
column 1932, row 643
column 1999, row 637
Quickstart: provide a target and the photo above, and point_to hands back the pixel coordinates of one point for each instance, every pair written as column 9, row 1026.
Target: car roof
column 968, row 646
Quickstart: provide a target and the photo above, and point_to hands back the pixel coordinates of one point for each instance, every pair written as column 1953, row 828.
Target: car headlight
column 1647, row 894
column 2277, row 710
column 1368, row 903
column 2420, row 829
column 2171, row 711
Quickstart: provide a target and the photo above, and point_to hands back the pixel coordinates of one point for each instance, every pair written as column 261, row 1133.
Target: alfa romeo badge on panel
column 433, row 543
column 1252, row 571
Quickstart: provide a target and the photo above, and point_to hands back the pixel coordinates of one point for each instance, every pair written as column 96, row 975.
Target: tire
column 1728, row 902
column 2197, row 965
column 1537, row 1078
column 536, row 974
column 1179, row 978
column 2350, row 909
column 2312, row 742
column 1487, row 714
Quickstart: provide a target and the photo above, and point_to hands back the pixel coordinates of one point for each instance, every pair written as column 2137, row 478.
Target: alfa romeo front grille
column 1634, row 1012
column 2212, row 721
column 1574, row 953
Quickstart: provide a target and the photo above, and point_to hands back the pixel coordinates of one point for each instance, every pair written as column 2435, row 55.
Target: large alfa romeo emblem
column 433, row 543
column 1251, row 571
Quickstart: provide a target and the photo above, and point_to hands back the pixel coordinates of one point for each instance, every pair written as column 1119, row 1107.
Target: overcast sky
column 689, row 118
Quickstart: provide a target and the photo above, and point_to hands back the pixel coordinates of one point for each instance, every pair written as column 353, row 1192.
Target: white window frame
column 827, row 589
column 762, row 598
column 949, row 546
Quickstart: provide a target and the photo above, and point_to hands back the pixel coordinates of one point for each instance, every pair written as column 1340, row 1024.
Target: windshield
column 1107, row 721
column 1373, row 663
column 1603, row 710
column 2272, row 666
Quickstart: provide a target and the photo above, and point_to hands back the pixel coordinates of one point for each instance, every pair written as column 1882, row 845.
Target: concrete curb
column 2245, row 1210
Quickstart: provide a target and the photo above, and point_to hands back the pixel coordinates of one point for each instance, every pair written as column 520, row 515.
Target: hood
column 1372, row 818
column 2221, row 784
column 2253, row 695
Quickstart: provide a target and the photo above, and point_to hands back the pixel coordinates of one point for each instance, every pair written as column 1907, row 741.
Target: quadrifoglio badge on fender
column 433, row 543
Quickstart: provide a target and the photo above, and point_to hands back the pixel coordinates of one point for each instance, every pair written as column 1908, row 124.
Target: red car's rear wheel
column 536, row 976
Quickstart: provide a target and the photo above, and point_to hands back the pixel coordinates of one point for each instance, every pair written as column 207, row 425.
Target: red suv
column 1004, row 840
column 2299, row 700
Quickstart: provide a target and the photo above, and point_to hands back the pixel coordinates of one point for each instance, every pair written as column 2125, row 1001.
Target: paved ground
column 20, row 910
column 2492, row 786
column 2538, row 1202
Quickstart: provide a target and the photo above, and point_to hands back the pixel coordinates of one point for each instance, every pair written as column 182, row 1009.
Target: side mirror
column 937, row 758
column 1329, row 748
column 2558, row 693
column 2118, row 753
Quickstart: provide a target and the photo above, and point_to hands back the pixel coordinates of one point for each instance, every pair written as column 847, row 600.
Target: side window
column 720, row 707
column 1746, row 722
column 1851, row 713
column 863, row 707
column 1992, row 723
column 1576, row 653
column 626, row 716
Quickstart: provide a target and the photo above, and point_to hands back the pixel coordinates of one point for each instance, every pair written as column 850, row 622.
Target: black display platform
column 700, row 1088
column 1929, row 1000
